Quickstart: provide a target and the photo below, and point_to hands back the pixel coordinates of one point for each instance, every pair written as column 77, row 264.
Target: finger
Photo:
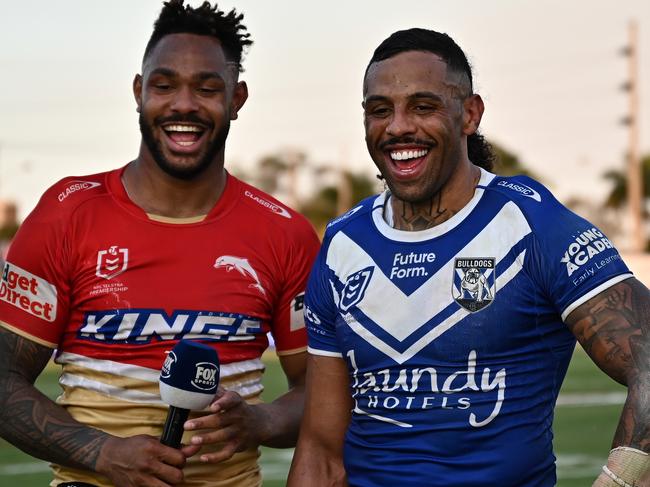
column 227, row 401
column 170, row 456
column 218, row 436
column 168, row 473
column 210, row 421
column 224, row 454
column 190, row 450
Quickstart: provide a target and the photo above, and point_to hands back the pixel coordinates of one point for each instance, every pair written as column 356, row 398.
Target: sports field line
column 591, row 399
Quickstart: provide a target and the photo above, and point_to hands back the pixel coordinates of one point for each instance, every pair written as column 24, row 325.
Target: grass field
column 585, row 420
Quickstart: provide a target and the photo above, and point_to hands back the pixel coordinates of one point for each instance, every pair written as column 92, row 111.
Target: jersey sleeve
column 321, row 309
column 34, row 289
column 574, row 259
column 288, row 327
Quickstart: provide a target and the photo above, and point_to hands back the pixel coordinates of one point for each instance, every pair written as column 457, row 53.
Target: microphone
column 188, row 381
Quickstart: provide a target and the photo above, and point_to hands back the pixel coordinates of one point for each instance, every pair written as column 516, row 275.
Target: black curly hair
column 478, row 148
column 177, row 18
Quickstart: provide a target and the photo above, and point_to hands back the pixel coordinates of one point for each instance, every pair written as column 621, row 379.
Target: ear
column 472, row 113
column 239, row 97
column 137, row 92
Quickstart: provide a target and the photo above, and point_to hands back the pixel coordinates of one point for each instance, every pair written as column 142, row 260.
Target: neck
column 158, row 193
column 449, row 200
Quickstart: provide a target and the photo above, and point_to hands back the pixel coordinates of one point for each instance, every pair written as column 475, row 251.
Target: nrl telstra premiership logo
column 111, row 262
column 355, row 288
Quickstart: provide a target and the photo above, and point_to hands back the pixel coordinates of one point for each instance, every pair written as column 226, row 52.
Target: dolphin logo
column 241, row 265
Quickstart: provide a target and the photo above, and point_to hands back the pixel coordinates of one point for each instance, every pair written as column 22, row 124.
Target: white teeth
column 184, row 144
column 408, row 154
column 182, row 128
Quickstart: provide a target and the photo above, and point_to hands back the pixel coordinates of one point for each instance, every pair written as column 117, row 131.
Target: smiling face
column 187, row 95
column 417, row 115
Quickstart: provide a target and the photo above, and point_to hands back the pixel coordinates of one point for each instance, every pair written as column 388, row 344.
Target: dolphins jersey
column 454, row 336
column 113, row 289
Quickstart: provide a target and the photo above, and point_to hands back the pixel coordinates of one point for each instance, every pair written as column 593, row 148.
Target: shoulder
column 264, row 209
column 66, row 195
column 530, row 197
column 355, row 216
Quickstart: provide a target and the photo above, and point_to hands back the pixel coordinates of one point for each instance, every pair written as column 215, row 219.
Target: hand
column 140, row 460
column 236, row 424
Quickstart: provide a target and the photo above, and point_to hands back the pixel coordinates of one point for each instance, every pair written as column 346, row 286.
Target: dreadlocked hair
column 416, row 39
column 177, row 18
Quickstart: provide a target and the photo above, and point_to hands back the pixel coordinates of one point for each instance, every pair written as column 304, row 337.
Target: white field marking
column 578, row 466
column 24, row 468
column 275, row 464
column 591, row 399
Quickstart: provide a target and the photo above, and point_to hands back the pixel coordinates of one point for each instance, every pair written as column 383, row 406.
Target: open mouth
column 184, row 137
column 406, row 162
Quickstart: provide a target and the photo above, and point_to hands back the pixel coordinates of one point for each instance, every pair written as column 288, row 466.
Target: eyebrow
column 203, row 75
column 418, row 95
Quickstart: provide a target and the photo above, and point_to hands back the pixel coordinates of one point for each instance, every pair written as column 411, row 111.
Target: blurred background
column 566, row 87
column 563, row 83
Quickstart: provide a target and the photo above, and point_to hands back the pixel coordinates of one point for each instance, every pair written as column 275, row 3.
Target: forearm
column 35, row 424
column 634, row 425
column 282, row 418
column 312, row 467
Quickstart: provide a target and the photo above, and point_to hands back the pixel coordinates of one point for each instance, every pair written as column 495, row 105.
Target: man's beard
column 184, row 173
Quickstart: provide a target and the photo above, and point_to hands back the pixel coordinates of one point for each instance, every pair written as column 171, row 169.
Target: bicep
column 21, row 356
column 294, row 367
column 614, row 329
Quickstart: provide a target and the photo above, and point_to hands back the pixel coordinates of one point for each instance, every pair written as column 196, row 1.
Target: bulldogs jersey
column 114, row 289
column 454, row 336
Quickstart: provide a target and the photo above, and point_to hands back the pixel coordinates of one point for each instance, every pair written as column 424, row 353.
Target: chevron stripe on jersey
column 414, row 320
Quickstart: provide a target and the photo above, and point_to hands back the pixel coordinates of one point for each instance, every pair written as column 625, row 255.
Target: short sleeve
column 288, row 327
column 321, row 309
column 34, row 291
column 575, row 259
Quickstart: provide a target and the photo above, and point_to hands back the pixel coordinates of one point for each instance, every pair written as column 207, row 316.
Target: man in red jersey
column 111, row 270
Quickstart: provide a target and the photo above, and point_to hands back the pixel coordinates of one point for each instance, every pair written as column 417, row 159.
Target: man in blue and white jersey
column 442, row 314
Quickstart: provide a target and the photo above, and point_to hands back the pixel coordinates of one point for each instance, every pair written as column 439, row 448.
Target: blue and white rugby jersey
column 453, row 336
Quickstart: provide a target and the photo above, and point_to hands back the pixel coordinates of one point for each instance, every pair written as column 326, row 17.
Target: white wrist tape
column 625, row 468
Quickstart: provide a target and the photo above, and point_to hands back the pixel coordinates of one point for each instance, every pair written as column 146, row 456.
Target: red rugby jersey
column 113, row 289
column 90, row 273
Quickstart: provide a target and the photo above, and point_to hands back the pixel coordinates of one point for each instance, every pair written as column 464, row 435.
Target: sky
column 549, row 72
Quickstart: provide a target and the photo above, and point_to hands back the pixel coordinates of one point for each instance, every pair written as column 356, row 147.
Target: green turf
column 582, row 433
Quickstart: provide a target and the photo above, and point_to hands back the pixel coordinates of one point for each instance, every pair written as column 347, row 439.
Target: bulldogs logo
column 355, row 288
column 474, row 282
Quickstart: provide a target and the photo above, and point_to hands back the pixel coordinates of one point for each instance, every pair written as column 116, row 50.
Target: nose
column 184, row 101
column 400, row 124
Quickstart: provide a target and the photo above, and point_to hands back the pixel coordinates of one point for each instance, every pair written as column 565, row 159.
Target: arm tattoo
column 31, row 421
column 614, row 329
column 420, row 217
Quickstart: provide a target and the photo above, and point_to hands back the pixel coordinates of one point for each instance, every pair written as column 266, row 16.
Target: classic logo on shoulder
column 522, row 189
column 355, row 288
column 28, row 292
column 112, row 262
column 344, row 216
column 241, row 265
column 474, row 283
column 75, row 186
column 277, row 209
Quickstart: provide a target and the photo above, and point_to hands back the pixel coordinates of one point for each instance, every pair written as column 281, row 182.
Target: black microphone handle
column 173, row 429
